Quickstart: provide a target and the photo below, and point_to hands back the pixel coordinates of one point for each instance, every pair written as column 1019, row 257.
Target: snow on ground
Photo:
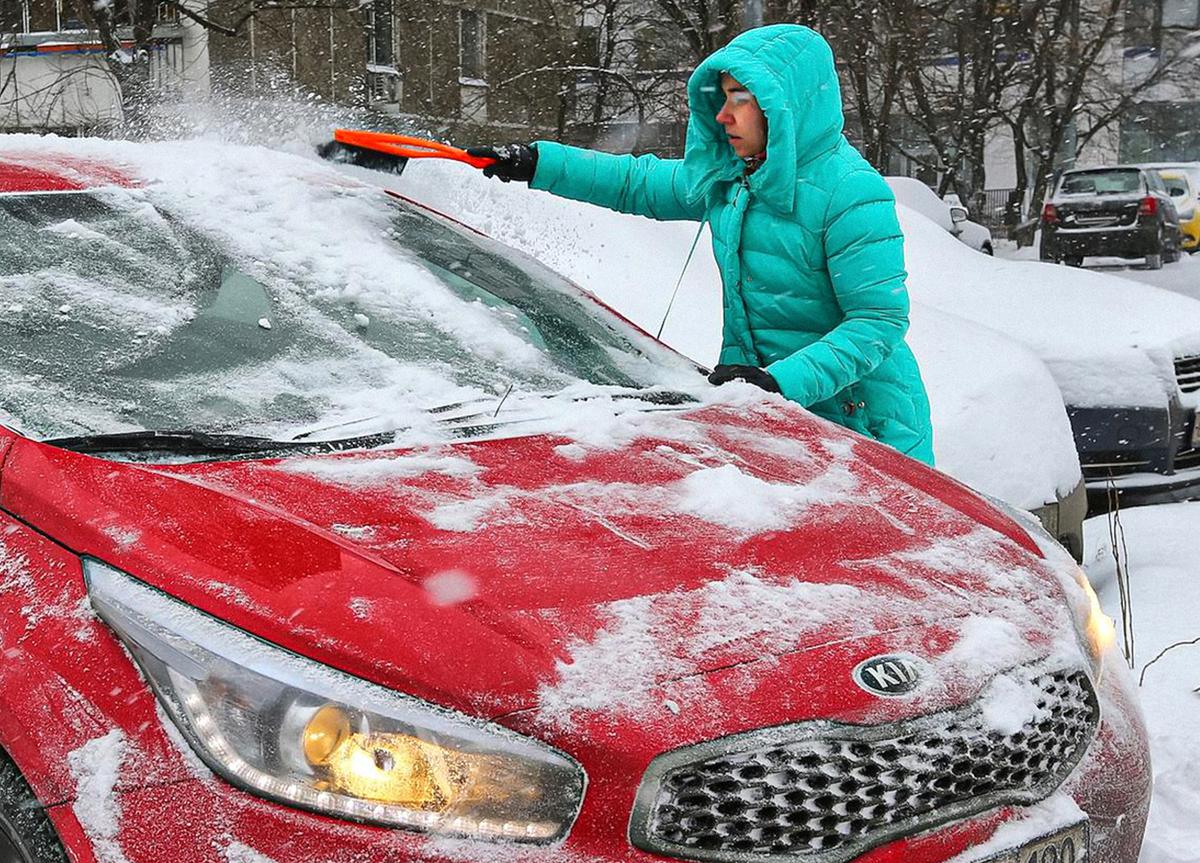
column 1182, row 277
column 1164, row 572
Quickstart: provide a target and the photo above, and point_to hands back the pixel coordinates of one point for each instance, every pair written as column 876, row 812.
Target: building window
column 1179, row 13
column 380, row 45
column 472, row 56
column 14, row 17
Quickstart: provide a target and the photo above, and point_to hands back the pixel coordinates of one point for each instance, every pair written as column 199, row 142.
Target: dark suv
column 1122, row 211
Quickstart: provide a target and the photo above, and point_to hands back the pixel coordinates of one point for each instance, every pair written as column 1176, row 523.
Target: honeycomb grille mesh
column 1187, row 372
column 834, row 791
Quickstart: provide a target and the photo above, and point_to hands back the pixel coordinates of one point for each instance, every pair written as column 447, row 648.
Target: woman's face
column 743, row 120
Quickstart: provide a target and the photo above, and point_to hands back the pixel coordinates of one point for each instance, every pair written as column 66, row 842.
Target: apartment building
column 53, row 73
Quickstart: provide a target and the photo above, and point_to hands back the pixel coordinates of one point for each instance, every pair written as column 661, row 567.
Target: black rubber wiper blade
column 672, row 398
column 207, row 443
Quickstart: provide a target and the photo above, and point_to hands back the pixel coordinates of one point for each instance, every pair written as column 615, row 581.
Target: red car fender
column 65, row 680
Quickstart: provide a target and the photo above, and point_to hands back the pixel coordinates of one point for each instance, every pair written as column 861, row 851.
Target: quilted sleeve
column 864, row 250
column 640, row 185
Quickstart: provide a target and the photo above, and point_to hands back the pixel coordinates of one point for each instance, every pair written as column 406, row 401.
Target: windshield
column 1101, row 183
column 116, row 316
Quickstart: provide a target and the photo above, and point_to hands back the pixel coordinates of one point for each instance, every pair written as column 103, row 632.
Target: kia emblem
column 891, row 674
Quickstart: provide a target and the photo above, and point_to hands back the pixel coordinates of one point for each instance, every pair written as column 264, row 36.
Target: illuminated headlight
column 304, row 734
column 1096, row 629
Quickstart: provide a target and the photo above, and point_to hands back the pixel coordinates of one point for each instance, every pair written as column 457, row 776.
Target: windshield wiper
column 208, row 443
column 485, row 408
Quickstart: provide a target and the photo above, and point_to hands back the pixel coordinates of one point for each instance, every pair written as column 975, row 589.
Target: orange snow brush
column 380, row 151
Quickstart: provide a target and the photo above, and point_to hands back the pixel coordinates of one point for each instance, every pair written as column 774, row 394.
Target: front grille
column 1188, row 458
column 827, row 792
column 1100, row 466
column 1187, row 372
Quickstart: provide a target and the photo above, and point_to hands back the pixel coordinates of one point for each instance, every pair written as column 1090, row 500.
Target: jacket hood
column 790, row 71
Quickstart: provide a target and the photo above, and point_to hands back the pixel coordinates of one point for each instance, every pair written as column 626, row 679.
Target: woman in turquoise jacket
column 803, row 228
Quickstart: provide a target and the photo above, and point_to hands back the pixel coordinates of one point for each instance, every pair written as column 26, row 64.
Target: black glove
column 513, row 161
column 750, row 374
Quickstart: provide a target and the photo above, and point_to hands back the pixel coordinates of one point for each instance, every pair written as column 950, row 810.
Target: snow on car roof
column 913, row 193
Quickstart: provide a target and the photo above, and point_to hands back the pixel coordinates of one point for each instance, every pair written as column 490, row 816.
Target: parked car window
column 1109, row 182
column 114, row 316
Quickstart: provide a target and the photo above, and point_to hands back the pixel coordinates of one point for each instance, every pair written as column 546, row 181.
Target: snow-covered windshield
column 116, row 316
column 1101, row 183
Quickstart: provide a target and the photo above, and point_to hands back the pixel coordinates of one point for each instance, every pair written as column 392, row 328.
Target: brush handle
column 408, row 147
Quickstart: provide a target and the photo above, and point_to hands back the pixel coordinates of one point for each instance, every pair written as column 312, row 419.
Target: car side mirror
column 1177, row 191
column 958, row 214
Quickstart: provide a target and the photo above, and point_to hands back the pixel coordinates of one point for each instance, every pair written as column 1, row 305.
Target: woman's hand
column 513, row 161
column 761, row 378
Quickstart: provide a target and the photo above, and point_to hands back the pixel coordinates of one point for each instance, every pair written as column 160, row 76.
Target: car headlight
column 307, row 735
column 1096, row 629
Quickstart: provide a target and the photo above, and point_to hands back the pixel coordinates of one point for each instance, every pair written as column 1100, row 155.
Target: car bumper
column 1063, row 519
column 1190, row 233
column 201, row 818
column 1129, row 242
column 1137, row 456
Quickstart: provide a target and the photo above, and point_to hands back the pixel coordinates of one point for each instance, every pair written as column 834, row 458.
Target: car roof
column 27, row 172
column 1178, row 165
column 1095, row 168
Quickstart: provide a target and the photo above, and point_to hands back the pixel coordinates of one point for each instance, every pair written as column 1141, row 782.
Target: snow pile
column 360, row 607
column 451, row 587
column 469, row 514
column 1050, row 815
column 359, row 472
column 999, row 420
column 1009, row 704
column 1164, row 570
column 746, row 504
column 96, row 766
column 986, row 645
column 644, row 642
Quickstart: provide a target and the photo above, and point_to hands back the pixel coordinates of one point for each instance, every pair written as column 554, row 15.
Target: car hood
column 1108, row 341
column 542, row 574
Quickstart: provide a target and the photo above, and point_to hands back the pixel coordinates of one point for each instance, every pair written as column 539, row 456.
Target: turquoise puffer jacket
column 809, row 246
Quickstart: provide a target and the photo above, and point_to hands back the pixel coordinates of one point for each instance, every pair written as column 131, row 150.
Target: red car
column 401, row 548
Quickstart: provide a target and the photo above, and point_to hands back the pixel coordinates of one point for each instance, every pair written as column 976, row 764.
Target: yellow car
column 1183, row 192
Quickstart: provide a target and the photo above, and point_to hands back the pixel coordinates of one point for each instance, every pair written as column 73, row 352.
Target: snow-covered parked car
column 401, row 547
column 955, row 220
column 974, row 374
column 1125, row 355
